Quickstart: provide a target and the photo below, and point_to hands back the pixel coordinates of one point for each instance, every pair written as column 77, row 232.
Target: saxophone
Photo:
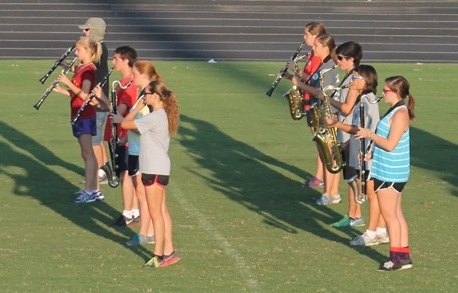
column 326, row 137
column 295, row 95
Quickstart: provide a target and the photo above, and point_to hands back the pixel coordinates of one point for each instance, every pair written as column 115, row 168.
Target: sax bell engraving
column 295, row 101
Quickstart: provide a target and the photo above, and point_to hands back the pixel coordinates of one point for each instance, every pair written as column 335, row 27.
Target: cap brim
column 83, row 26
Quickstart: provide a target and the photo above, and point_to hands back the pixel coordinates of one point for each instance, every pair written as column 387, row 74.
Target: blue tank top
column 391, row 166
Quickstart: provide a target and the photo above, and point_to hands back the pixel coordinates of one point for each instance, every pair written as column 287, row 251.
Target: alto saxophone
column 295, row 96
column 326, row 137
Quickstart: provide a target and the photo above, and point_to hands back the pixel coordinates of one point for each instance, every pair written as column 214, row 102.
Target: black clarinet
column 361, row 198
column 57, row 63
column 53, row 85
column 89, row 98
column 283, row 71
column 113, row 142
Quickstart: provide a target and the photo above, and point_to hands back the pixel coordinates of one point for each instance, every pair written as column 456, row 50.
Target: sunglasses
column 87, row 29
column 340, row 57
column 353, row 77
column 388, row 90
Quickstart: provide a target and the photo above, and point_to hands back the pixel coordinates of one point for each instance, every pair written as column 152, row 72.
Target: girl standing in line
column 79, row 88
column 155, row 130
column 391, row 167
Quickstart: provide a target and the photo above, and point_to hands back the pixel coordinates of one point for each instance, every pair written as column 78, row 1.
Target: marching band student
column 391, row 167
column 155, row 130
column 311, row 31
column 364, row 81
column 143, row 73
column 79, row 88
column 324, row 48
column 349, row 55
column 95, row 28
column 124, row 58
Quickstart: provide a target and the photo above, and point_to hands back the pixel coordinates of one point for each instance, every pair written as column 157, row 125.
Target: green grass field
column 243, row 223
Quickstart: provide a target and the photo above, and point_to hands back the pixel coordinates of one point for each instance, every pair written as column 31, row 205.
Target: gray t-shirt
column 154, row 143
column 371, row 118
column 341, row 96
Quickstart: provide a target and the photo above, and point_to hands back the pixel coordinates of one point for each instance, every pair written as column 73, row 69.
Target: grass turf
column 242, row 221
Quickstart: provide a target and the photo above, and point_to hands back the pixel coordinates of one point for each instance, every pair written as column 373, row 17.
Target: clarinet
column 89, row 98
column 113, row 142
column 53, row 85
column 283, row 71
column 57, row 63
column 361, row 197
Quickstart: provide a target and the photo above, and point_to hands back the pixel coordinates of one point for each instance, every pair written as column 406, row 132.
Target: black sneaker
column 401, row 265
column 120, row 222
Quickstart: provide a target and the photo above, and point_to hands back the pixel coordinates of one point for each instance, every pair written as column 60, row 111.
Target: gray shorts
column 100, row 125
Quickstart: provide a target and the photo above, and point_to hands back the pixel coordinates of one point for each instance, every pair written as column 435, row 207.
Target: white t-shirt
column 154, row 143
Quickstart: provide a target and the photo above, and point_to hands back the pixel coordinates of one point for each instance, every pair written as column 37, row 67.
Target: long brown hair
column 328, row 41
column 169, row 100
column 401, row 86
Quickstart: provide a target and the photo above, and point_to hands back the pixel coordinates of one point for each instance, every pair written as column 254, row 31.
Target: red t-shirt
column 127, row 97
column 82, row 72
column 313, row 63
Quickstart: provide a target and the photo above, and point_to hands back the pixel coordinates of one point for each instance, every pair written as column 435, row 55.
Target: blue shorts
column 100, row 123
column 84, row 126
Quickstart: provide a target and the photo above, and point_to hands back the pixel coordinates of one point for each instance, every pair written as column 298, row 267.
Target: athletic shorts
column 380, row 185
column 84, row 126
column 133, row 163
column 150, row 179
column 348, row 172
column 100, row 124
column 122, row 160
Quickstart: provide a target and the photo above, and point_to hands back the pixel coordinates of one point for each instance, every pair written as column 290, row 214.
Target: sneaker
column 364, row 240
column 344, row 222
column 140, row 239
column 327, row 200
column 83, row 196
column 99, row 195
column 134, row 221
column 103, row 179
column 170, row 259
column 389, row 266
column 383, row 238
column 153, row 263
column 313, row 182
column 357, row 222
column 120, row 222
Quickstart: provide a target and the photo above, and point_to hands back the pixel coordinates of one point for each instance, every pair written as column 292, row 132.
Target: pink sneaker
column 313, row 182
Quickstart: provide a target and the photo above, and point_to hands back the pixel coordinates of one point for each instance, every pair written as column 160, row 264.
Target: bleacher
column 394, row 31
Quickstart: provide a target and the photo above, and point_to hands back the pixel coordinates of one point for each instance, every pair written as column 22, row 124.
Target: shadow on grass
column 38, row 181
column 248, row 177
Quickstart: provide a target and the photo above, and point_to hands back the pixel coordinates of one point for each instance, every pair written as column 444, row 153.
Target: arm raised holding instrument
column 79, row 89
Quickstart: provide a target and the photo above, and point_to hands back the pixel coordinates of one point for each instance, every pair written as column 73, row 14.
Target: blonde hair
column 92, row 46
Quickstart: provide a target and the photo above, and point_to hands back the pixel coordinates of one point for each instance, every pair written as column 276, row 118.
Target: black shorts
column 379, row 185
column 150, row 179
column 122, row 159
column 349, row 173
column 133, row 165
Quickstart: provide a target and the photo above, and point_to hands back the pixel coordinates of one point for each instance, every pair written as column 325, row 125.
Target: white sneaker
column 383, row 238
column 364, row 240
column 327, row 200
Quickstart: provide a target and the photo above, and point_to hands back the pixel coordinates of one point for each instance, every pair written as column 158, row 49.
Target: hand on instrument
column 64, row 79
column 61, row 90
column 116, row 118
column 331, row 121
column 363, row 133
column 97, row 91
